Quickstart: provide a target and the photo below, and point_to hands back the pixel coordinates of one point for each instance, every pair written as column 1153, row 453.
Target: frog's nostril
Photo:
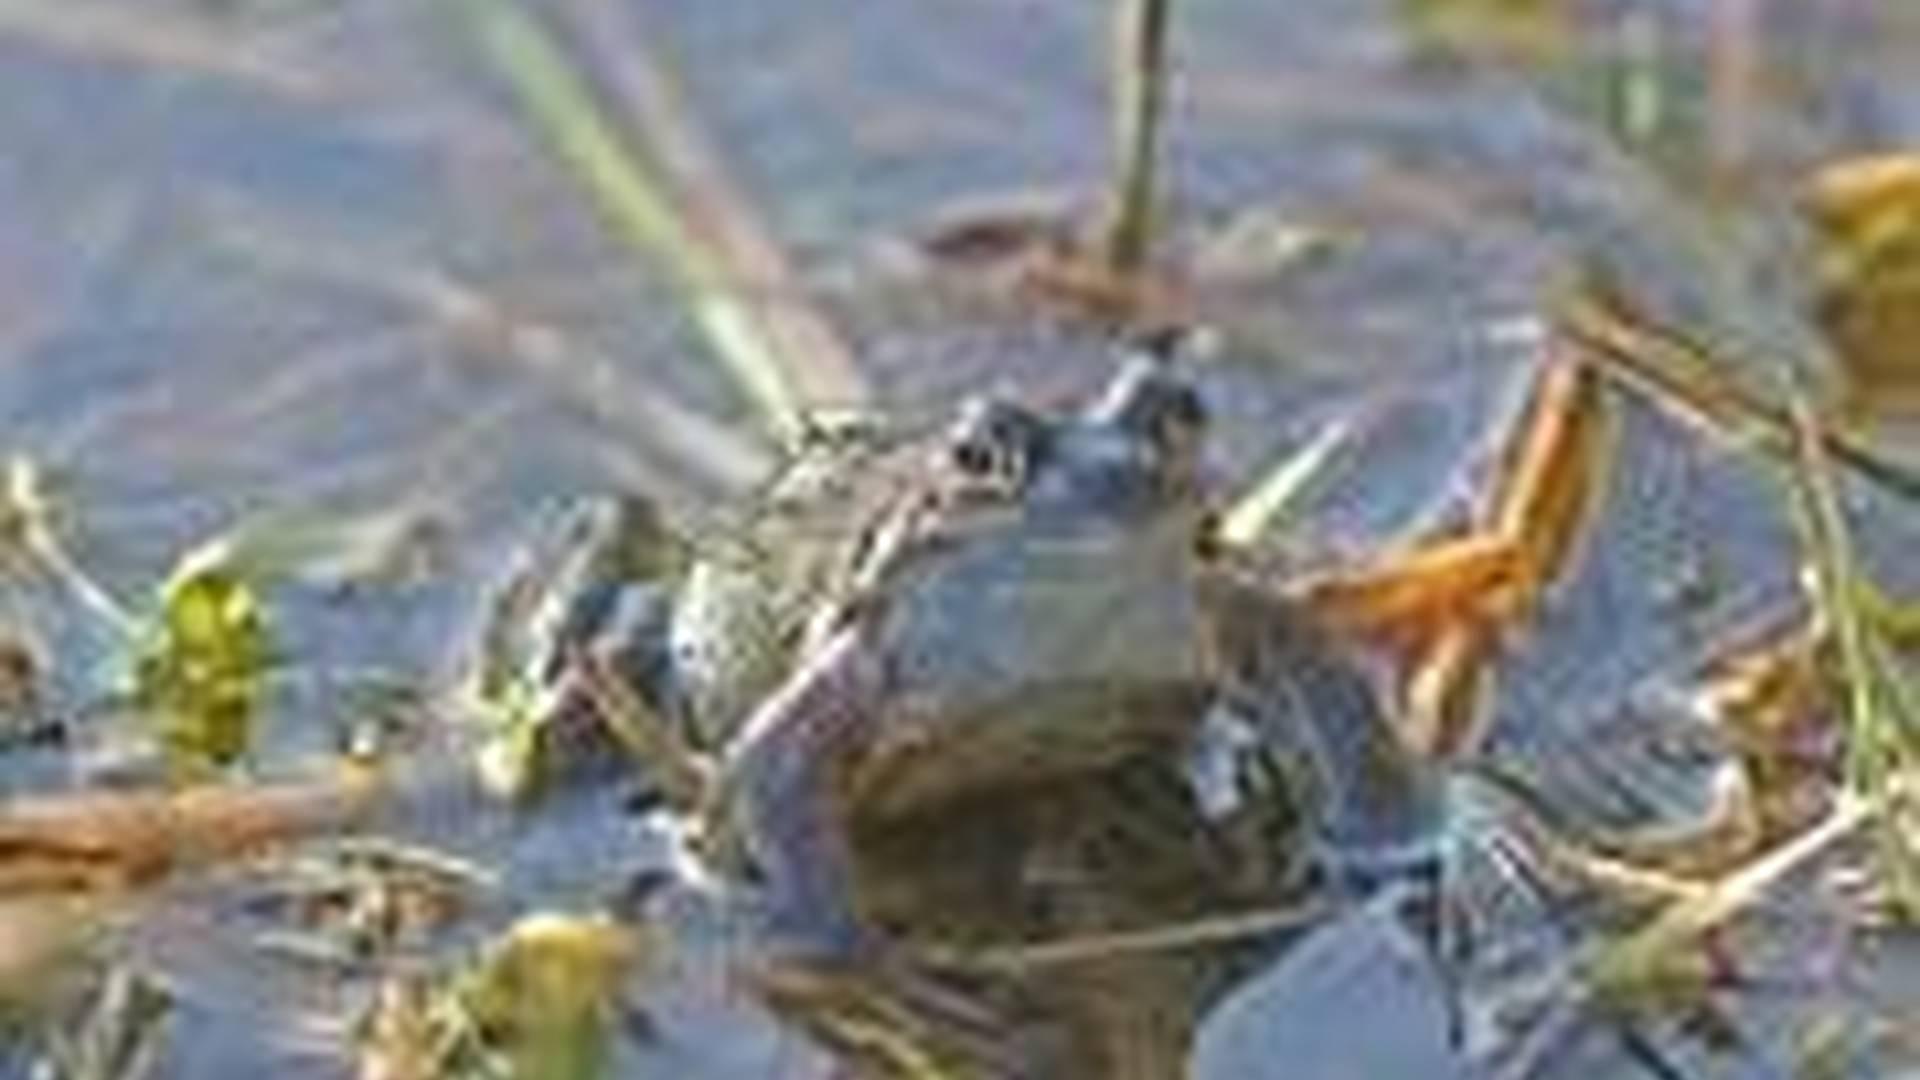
column 996, row 441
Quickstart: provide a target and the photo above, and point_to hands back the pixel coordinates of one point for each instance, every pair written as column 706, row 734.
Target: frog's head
column 1045, row 587
column 1132, row 453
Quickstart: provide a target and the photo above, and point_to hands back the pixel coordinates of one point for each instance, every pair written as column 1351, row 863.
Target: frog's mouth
column 1041, row 734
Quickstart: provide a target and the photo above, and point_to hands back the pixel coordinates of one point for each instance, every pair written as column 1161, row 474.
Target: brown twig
column 108, row 841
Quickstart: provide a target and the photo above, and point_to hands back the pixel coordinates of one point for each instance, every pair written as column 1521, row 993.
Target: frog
column 1022, row 595
column 1044, row 602
column 1027, row 595
column 1034, row 599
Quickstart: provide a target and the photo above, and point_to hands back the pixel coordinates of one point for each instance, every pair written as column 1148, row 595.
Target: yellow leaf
column 200, row 671
column 1866, row 216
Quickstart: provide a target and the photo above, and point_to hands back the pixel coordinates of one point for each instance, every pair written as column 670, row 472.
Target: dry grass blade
column 131, row 35
column 1824, row 536
column 759, row 278
column 647, row 214
column 1093, row 947
column 708, row 449
column 1545, row 492
column 649, row 738
column 1625, row 963
column 418, row 860
column 1269, row 501
column 1676, row 372
column 1882, row 748
column 1446, row 601
column 1444, row 688
column 1672, row 369
column 28, row 536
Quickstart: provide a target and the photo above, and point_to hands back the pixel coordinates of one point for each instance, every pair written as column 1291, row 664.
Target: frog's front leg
column 782, row 793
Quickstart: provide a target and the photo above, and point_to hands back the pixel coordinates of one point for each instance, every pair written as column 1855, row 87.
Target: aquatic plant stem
column 636, row 203
column 1139, row 80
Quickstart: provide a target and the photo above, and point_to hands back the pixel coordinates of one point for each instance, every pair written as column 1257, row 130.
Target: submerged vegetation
column 869, row 708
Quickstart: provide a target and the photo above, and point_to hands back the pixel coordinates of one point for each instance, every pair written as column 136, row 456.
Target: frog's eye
column 975, row 458
column 996, row 443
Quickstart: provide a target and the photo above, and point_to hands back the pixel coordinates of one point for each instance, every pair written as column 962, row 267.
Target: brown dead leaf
column 1410, row 596
column 1446, row 602
column 1866, row 215
column 1546, row 489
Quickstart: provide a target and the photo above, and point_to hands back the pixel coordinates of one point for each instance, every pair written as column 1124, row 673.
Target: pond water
column 268, row 261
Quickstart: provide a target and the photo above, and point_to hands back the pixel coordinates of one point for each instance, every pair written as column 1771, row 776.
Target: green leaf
column 542, row 995
column 201, row 665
